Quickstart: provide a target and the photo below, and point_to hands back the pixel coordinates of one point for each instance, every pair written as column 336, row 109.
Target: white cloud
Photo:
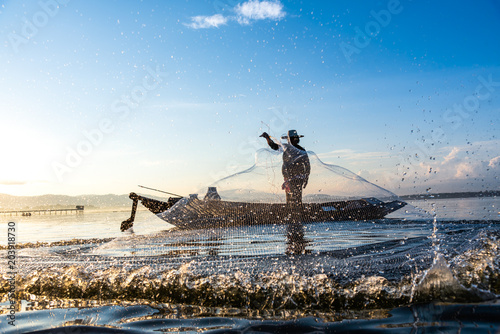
column 470, row 167
column 452, row 155
column 467, row 169
column 201, row 22
column 246, row 12
column 495, row 162
column 259, row 10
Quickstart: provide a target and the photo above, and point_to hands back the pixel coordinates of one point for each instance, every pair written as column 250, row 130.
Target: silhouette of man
column 296, row 167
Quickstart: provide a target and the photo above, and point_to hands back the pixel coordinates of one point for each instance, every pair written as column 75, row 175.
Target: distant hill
column 9, row 202
column 452, row 195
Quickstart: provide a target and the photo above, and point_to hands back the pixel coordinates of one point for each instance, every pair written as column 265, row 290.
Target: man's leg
column 296, row 190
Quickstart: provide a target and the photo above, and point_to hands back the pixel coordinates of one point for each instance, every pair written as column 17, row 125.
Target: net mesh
column 262, row 183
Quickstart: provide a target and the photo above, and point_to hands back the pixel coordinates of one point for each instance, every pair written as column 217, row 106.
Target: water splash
column 439, row 283
column 368, row 276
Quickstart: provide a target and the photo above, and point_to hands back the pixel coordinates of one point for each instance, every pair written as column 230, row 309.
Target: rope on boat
column 165, row 192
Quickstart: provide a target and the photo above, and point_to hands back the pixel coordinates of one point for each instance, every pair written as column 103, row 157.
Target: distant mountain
column 487, row 193
column 9, row 202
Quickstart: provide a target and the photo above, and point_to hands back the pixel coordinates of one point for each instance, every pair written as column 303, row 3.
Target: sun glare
column 24, row 152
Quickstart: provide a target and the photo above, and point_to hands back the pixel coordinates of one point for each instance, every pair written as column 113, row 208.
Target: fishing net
column 282, row 187
column 263, row 182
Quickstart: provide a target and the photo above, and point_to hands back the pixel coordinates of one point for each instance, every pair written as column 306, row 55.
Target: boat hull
column 192, row 213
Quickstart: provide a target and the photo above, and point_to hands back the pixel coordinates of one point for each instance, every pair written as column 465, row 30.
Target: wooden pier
column 26, row 213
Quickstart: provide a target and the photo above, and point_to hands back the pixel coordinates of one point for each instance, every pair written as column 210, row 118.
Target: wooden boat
column 193, row 213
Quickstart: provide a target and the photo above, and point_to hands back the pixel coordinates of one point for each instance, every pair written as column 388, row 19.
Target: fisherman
column 296, row 167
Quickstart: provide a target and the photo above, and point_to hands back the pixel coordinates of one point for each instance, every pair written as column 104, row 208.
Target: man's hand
column 286, row 187
column 265, row 135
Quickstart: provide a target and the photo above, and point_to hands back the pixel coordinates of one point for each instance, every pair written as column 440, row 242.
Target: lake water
column 405, row 274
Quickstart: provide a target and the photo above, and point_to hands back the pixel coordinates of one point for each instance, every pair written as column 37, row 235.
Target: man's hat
column 292, row 133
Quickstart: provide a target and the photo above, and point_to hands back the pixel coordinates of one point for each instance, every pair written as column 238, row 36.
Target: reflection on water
column 52, row 228
column 319, row 265
column 296, row 269
column 295, row 241
column 330, row 267
column 486, row 208
column 264, row 240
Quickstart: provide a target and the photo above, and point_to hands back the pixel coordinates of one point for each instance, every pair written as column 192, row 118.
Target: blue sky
column 98, row 97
